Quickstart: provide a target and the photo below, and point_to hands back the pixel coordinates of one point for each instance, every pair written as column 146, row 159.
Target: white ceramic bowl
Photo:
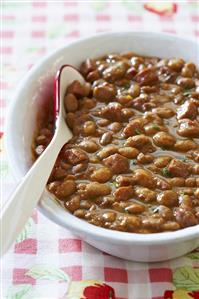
column 34, row 91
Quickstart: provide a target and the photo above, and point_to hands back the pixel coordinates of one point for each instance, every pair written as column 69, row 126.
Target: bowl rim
column 77, row 225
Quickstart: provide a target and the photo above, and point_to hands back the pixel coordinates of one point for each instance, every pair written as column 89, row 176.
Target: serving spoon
column 15, row 213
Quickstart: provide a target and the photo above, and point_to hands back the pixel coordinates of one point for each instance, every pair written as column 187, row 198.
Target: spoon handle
column 18, row 209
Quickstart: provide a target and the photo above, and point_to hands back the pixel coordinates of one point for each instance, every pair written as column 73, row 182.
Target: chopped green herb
column 187, row 92
column 181, row 192
column 163, row 148
column 126, row 86
column 184, row 159
column 165, row 172
column 138, row 132
column 113, row 184
column 133, row 162
column 155, row 210
column 155, row 127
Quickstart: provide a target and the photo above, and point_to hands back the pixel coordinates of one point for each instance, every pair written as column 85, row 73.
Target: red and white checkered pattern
column 29, row 31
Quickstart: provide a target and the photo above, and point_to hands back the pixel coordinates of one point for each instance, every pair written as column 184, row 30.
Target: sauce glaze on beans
column 133, row 162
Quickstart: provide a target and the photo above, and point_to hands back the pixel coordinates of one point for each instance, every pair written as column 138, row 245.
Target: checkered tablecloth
column 46, row 260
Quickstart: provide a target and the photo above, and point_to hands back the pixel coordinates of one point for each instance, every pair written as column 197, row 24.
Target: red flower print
column 162, row 9
column 99, row 291
column 170, row 294
column 195, row 295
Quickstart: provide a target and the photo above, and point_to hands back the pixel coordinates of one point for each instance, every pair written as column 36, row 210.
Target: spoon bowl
column 19, row 207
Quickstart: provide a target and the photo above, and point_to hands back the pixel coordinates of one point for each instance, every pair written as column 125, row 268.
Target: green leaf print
column 32, row 50
column 99, row 5
column 47, row 272
column 26, row 232
column 194, row 4
column 13, row 5
column 131, row 5
column 4, row 169
column 57, row 31
column 194, row 255
column 20, row 291
column 186, row 278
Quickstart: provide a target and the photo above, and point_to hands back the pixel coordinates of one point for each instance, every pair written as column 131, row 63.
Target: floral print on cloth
column 185, row 282
column 161, row 8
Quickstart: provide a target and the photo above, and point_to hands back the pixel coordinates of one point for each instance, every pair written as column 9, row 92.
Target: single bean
column 101, row 175
column 168, row 198
column 185, row 145
column 176, row 64
column 87, row 66
column 70, row 119
column 96, row 189
column 190, row 182
column 188, row 70
column 76, row 88
column 87, row 103
column 103, row 122
column 104, row 93
column 133, row 128
column 42, row 140
column 178, row 168
column 117, row 163
column 130, row 73
column 123, row 193
column 66, row 188
column 163, row 139
column 128, row 152
column 177, row 182
column 152, row 222
column 115, row 126
column 74, row 156
column 135, row 208
column 152, row 129
column 92, row 76
column 141, row 142
column 186, row 82
column 89, row 128
column 80, row 213
column 145, row 194
column 170, row 226
column 106, row 138
column 127, row 113
column 162, row 183
column 89, row 146
column 134, row 90
column 164, row 112
column 124, row 99
column 143, row 178
column 165, row 212
column 73, row 204
column 144, row 159
column 185, row 201
column 162, row 161
column 79, row 168
column 109, row 216
column 185, row 218
column 70, row 102
column 107, row 151
column 52, row 187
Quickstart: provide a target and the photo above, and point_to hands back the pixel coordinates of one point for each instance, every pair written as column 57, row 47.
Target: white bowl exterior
column 36, row 89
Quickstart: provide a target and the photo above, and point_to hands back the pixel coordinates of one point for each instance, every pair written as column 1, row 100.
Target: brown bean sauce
column 133, row 162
